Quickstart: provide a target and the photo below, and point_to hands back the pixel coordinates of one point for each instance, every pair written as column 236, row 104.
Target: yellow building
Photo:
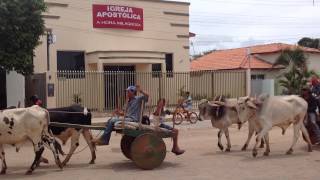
column 115, row 34
column 110, row 35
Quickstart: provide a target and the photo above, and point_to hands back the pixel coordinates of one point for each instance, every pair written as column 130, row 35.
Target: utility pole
column 49, row 41
column 248, row 72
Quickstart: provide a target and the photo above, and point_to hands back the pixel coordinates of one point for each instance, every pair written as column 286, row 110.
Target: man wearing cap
column 133, row 112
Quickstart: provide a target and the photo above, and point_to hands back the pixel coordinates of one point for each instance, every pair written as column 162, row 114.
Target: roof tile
column 238, row 59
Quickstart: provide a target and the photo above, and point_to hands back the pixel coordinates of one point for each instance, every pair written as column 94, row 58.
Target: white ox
column 223, row 113
column 282, row 111
column 26, row 124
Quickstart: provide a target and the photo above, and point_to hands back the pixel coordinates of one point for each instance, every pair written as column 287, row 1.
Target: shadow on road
column 21, row 175
column 278, row 156
column 130, row 166
column 18, row 172
column 247, row 155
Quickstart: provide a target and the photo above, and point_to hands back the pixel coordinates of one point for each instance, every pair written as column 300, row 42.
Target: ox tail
column 47, row 131
column 85, row 111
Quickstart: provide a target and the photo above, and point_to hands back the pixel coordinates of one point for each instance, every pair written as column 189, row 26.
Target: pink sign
column 114, row 16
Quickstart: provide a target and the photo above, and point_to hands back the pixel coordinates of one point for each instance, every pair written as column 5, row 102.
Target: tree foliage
column 196, row 56
column 21, row 24
column 309, row 42
column 296, row 73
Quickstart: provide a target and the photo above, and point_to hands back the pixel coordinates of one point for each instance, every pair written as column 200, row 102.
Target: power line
column 262, row 3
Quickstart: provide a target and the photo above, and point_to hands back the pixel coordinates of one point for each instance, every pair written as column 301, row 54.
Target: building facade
column 98, row 35
column 112, row 35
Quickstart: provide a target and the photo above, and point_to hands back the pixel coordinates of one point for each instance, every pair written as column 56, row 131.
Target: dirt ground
column 202, row 160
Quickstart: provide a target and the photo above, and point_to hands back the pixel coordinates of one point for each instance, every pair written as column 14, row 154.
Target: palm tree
column 294, row 81
column 290, row 58
column 296, row 73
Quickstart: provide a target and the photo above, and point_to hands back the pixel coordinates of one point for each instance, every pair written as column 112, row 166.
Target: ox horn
column 213, row 104
column 219, row 103
column 252, row 105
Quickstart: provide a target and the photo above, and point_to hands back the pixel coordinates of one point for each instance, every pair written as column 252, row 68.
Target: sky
column 224, row 24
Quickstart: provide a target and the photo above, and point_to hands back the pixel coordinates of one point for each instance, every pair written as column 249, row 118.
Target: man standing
column 133, row 112
column 312, row 124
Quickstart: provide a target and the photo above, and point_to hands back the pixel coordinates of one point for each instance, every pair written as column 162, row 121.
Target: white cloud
column 234, row 23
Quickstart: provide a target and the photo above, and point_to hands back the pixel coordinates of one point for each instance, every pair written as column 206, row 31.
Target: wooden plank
column 78, row 126
column 135, row 133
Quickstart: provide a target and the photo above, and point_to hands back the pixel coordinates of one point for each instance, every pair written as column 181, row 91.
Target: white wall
column 15, row 89
column 265, row 86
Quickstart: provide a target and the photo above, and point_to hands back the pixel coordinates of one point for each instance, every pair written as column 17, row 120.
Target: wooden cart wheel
column 148, row 151
column 126, row 142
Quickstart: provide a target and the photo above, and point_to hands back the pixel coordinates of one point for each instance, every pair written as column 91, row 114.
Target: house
column 260, row 59
column 12, row 89
column 113, row 35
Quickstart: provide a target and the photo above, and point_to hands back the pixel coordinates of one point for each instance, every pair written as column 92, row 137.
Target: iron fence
column 104, row 91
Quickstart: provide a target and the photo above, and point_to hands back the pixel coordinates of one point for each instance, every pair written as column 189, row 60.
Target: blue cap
column 132, row 89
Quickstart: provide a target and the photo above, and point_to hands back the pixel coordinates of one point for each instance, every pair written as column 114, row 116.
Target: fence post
column 248, row 82
column 212, row 84
column 160, row 86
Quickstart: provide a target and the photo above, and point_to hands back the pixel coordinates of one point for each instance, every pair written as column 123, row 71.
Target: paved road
column 203, row 160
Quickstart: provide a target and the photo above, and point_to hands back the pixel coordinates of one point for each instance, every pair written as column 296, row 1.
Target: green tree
column 309, row 42
column 21, row 24
column 296, row 73
column 289, row 58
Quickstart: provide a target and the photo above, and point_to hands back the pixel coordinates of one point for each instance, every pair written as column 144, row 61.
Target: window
column 169, row 65
column 156, row 70
column 70, row 61
column 260, row 76
column 257, row 77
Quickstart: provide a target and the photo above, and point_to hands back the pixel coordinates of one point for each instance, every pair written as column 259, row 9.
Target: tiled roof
column 237, row 58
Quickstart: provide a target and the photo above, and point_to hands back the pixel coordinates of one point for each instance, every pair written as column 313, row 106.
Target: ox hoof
column 63, row 164
column 244, row 148
column 309, row 148
column 92, row 162
column 220, row 147
column 254, row 153
column 29, row 172
column 3, row 172
column 228, row 149
column 266, row 153
column 290, row 151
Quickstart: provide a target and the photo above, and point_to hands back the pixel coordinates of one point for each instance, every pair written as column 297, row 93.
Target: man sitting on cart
column 160, row 114
column 133, row 110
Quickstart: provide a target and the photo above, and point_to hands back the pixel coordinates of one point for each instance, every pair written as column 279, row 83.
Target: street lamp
column 51, row 39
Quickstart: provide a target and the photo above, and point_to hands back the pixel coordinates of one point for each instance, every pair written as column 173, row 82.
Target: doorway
column 117, row 79
column 3, row 90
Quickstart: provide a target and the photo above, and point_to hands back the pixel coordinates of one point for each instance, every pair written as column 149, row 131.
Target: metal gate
column 117, row 79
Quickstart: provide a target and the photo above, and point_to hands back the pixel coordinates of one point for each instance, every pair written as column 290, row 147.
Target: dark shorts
column 162, row 125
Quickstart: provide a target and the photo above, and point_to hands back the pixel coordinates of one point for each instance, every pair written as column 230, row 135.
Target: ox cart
column 143, row 144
